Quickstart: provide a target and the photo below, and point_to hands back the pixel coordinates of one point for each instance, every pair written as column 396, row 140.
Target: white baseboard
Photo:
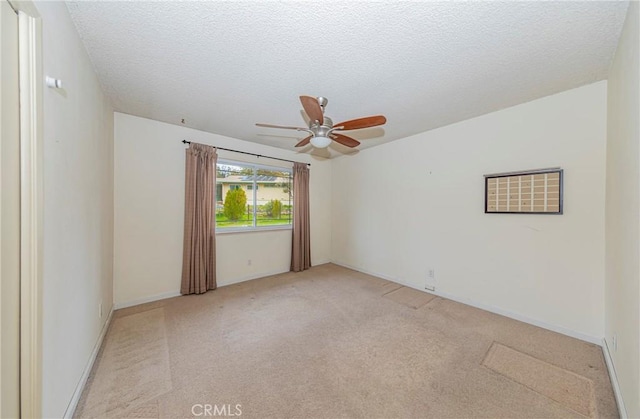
column 597, row 340
column 73, row 404
column 614, row 379
column 149, row 299
column 251, row 277
column 171, row 294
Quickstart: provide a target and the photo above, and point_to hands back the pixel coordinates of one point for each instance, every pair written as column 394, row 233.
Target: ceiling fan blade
column 312, row 108
column 304, row 141
column 344, row 140
column 281, row 126
column 369, row 121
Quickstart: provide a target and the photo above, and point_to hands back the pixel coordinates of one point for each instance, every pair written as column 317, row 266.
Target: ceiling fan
column 322, row 128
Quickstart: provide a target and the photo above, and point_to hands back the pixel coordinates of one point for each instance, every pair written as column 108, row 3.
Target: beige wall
column 78, row 210
column 149, row 211
column 9, row 215
column 545, row 269
column 622, row 307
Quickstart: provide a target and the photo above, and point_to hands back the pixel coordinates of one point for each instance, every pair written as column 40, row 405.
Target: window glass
column 250, row 196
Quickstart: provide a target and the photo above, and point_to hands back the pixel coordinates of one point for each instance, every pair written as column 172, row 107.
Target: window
column 531, row 192
column 251, row 197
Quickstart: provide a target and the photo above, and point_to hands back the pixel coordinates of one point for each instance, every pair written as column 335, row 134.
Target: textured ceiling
column 223, row 66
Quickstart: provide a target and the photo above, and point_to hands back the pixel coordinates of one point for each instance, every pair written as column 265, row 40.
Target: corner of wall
column 622, row 225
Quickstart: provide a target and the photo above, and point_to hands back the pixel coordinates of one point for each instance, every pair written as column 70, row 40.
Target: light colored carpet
column 330, row 343
column 133, row 369
column 409, row 297
column 573, row 391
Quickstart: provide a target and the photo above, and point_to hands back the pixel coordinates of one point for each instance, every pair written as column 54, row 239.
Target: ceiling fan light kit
column 320, row 142
column 321, row 127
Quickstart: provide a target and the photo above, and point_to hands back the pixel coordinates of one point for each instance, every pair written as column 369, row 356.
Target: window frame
column 255, row 227
column 519, row 175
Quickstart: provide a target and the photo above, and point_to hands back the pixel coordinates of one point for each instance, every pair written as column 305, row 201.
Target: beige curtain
column 301, row 246
column 199, row 252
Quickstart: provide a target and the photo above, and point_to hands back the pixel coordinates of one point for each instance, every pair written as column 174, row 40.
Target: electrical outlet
column 248, row 262
column 431, row 276
column 100, row 310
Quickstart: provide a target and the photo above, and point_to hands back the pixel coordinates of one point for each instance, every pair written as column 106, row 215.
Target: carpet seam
column 120, row 316
column 591, row 402
column 393, row 290
column 536, row 392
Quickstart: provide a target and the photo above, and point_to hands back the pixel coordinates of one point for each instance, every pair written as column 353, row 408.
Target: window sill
column 252, row 229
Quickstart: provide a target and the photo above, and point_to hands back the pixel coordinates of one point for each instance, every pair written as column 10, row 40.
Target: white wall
column 622, row 307
column 149, row 212
column 417, row 203
column 9, row 215
column 78, row 210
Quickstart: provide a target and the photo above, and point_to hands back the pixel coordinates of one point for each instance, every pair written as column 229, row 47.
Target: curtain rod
column 251, row 154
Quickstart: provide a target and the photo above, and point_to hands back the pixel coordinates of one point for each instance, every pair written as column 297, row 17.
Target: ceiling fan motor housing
column 321, row 130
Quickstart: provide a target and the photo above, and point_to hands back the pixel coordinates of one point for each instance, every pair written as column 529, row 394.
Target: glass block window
column 530, row 192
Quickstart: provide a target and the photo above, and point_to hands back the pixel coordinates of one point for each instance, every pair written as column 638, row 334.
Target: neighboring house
column 267, row 188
